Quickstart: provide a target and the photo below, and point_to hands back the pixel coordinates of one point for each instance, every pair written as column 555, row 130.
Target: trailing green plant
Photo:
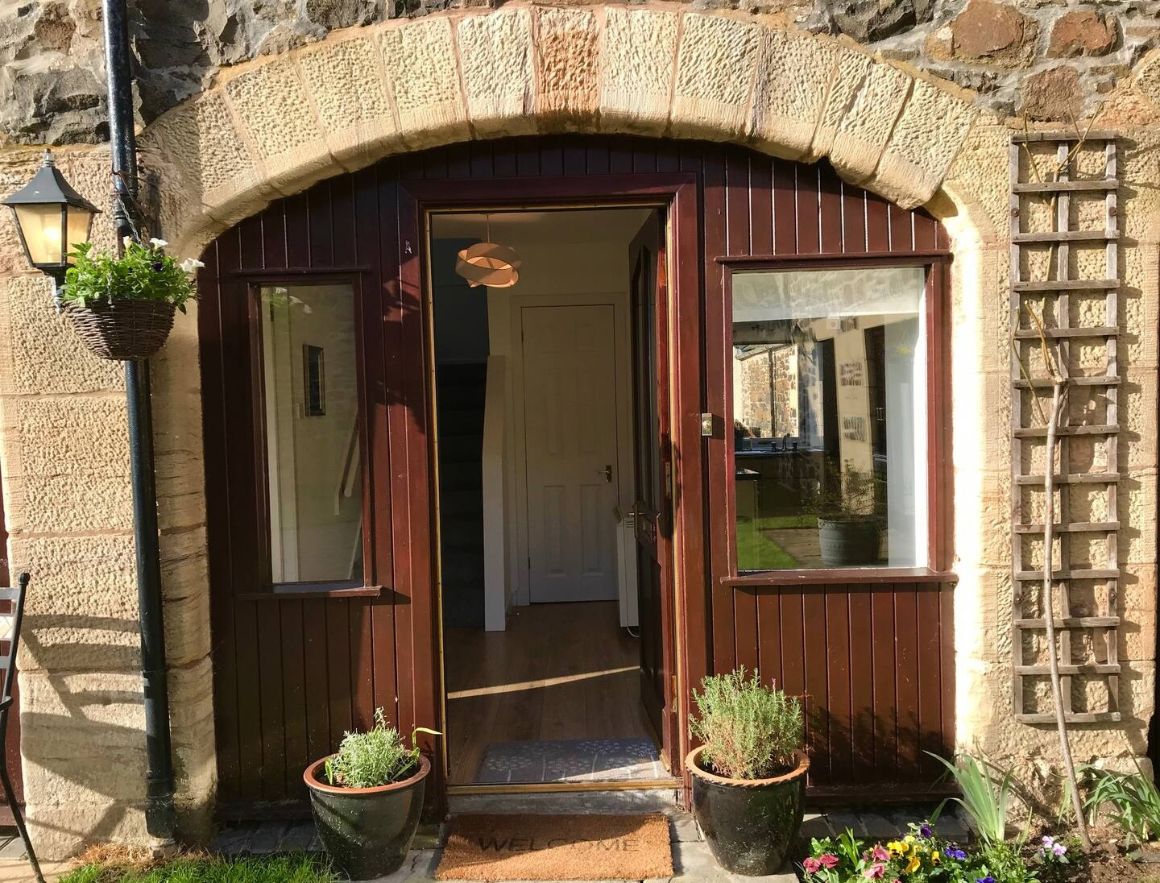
column 750, row 730
column 1131, row 800
column 143, row 272
column 986, row 794
column 374, row 757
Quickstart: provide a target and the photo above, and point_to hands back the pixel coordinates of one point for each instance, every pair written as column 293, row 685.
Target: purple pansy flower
column 955, row 853
column 926, row 830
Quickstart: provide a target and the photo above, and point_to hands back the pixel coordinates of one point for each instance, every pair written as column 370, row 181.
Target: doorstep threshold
column 667, row 783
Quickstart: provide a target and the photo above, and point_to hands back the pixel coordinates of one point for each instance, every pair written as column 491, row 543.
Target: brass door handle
column 608, row 473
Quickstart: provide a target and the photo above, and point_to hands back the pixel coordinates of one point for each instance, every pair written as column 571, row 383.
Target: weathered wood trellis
column 1087, row 630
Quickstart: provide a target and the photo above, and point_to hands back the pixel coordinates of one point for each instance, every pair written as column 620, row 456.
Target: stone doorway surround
column 273, row 126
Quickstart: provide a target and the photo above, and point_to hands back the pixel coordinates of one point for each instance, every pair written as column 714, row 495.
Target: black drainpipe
column 159, row 813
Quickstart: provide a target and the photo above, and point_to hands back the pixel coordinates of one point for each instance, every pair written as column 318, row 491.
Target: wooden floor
column 560, row 671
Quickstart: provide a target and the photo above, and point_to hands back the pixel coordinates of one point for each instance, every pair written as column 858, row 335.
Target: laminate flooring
column 560, row 671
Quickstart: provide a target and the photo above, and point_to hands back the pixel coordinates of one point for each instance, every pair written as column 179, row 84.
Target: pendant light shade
column 488, row 263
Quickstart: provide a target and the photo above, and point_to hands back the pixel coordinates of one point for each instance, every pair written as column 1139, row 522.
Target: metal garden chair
column 10, row 632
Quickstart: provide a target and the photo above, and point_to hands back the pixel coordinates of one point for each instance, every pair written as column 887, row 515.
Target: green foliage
column 852, row 494
column 757, row 551
column 375, row 757
column 1131, row 800
column 297, row 868
column 987, row 792
column 750, row 730
column 143, row 272
column 921, row 856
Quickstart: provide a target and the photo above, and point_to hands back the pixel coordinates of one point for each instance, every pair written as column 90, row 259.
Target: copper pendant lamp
column 489, row 263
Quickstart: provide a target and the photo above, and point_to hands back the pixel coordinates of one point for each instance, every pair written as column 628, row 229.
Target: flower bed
column 922, row 856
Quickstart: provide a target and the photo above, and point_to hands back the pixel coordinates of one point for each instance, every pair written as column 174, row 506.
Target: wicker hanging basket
column 122, row 330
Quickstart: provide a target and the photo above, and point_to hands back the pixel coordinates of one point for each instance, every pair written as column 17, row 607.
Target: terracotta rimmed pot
column 366, row 831
column 749, row 824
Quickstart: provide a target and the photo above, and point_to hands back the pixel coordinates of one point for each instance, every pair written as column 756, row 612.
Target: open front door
column 653, row 492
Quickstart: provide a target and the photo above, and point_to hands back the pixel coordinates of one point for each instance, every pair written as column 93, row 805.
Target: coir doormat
column 541, row 847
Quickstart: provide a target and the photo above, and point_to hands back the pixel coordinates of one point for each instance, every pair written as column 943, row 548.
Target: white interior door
column 569, row 355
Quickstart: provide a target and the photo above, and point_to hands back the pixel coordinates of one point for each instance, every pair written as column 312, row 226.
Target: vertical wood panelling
column 876, row 663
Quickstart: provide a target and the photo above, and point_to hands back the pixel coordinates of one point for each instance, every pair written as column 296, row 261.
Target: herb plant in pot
column 749, row 776
column 849, row 526
column 367, row 798
column 122, row 307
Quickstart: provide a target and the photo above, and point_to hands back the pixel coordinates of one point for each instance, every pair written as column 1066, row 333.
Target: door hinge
column 706, row 425
column 529, row 562
column 673, row 696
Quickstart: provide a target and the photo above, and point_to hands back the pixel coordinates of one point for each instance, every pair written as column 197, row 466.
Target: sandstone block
column 930, row 132
column 792, row 83
column 39, row 351
column 273, row 106
column 1082, row 32
column 993, row 32
column 716, row 64
column 864, row 130
column 422, row 64
column 1053, row 94
column 637, row 69
column 348, row 85
column 852, row 69
column 216, row 167
column 191, row 720
column 567, row 60
column 495, row 52
column 1147, row 76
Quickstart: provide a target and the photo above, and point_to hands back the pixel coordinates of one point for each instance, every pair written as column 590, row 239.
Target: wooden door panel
column 570, row 443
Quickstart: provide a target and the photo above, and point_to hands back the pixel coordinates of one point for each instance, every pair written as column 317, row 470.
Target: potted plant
column 122, row 307
column 366, row 799
column 749, row 776
column 849, row 524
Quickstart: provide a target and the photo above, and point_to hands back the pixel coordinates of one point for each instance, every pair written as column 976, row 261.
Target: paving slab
column 18, row 870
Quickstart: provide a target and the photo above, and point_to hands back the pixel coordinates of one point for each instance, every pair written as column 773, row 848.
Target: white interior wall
column 568, row 257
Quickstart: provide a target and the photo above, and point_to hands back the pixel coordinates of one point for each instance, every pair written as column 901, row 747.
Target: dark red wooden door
column 652, row 507
column 292, row 672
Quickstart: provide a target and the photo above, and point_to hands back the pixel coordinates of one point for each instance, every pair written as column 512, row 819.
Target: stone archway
column 276, row 125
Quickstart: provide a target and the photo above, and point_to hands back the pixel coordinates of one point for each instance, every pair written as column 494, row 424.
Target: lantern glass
column 44, row 229
column 78, row 227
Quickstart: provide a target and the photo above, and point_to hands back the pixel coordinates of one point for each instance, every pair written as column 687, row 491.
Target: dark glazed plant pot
column 749, row 824
column 366, row 831
column 847, row 543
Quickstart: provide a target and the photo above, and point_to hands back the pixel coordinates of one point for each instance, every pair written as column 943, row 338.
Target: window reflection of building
column 825, row 401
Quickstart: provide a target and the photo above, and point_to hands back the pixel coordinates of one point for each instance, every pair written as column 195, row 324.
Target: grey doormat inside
column 570, row 760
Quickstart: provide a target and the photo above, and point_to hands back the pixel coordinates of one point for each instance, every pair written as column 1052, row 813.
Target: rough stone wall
column 1043, row 59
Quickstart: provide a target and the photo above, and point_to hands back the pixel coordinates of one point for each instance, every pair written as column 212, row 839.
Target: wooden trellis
column 1086, row 591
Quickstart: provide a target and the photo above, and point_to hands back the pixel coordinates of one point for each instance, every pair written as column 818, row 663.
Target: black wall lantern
column 51, row 218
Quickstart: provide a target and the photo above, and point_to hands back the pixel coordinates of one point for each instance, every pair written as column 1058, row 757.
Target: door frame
column 618, row 300
column 677, row 194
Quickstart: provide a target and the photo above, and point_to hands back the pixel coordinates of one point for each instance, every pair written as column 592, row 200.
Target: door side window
column 829, row 418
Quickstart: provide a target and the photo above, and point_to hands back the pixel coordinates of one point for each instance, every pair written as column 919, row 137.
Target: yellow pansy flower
column 897, row 847
column 913, row 865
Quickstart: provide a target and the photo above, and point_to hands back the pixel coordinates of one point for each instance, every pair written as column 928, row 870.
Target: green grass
column 299, row 868
column 755, row 551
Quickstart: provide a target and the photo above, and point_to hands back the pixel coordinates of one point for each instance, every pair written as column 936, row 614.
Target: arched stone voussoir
column 276, row 125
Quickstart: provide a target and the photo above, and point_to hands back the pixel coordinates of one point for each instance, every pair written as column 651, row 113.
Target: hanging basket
column 122, row 330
